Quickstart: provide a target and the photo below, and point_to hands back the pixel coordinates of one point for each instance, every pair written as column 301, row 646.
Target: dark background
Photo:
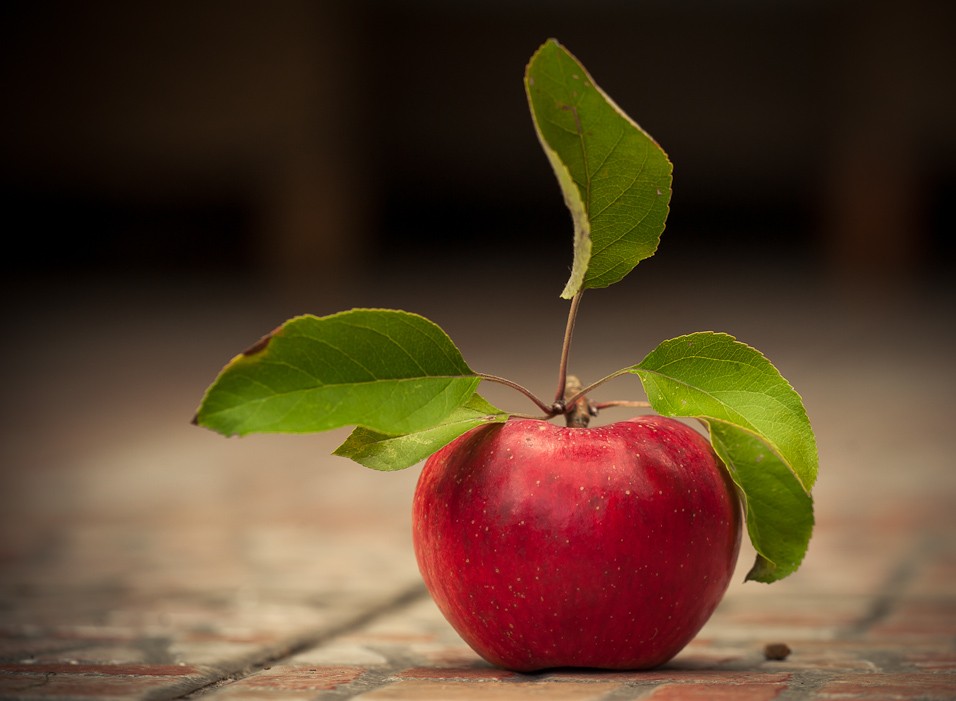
column 300, row 143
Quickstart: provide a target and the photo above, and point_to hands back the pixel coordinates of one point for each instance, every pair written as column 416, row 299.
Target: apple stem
column 570, row 399
column 559, row 404
column 598, row 406
column 578, row 412
column 514, row 385
column 581, row 392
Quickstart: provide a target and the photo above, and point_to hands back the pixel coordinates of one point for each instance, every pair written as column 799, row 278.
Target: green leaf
column 714, row 375
column 758, row 427
column 388, row 371
column 614, row 177
column 778, row 510
column 388, row 453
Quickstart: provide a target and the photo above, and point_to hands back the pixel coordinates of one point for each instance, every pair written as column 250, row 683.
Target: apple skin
column 605, row 547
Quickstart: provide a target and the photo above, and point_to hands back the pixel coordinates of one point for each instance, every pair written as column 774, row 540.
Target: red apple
column 605, row 547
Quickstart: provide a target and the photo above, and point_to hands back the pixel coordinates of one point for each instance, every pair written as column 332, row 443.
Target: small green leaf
column 758, row 427
column 615, row 179
column 388, row 371
column 388, row 453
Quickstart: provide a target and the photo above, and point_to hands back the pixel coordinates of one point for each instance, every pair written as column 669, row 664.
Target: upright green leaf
column 614, row 177
column 388, row 453
column 388, row 371
column 758, row 427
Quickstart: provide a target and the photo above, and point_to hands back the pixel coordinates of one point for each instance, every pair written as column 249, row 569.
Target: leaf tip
column 763, row 571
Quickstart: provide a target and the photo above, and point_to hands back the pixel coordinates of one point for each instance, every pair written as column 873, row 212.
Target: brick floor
column 143, row 558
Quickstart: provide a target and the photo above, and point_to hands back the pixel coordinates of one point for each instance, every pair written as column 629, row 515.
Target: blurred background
column 304, row 143
column 177, row 178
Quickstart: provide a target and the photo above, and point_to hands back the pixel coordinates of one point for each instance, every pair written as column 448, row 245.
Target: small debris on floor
column 776, row 651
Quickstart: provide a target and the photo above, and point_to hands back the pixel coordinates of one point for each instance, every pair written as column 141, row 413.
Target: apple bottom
column 606, row 547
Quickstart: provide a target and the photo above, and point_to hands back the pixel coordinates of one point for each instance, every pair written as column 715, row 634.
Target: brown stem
column 620, row 402
column 581, row 392
column 578, row 412
column 561, row 394
column 514, row 385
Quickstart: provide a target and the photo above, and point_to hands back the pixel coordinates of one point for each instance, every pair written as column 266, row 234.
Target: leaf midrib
column 338, row 385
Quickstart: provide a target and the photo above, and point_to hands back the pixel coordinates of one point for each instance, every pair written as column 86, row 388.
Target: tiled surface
column 143, row 558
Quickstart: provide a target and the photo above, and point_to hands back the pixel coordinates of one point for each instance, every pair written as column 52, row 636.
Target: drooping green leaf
column 388, row 371
column 388, row 453
column 759, row 427
column 614, row 177
column 779, row 512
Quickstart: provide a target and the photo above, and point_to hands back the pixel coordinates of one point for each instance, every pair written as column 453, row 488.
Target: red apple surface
column 605, row 547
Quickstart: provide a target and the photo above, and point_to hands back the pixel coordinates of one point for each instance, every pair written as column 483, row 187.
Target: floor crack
column 891, row 589
column 306, row 642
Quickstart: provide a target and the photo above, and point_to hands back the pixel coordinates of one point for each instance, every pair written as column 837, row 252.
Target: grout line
column 306, row 642
column 891, row 590
column 372, row 678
